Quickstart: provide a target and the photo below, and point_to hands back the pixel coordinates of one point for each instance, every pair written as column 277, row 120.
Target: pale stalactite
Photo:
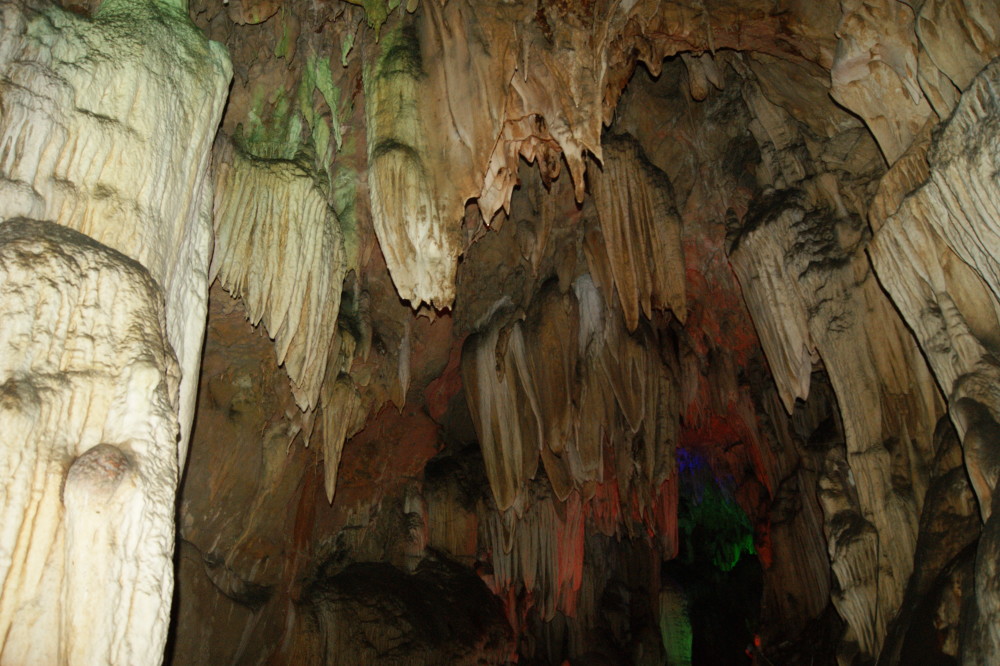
column 563, row 384
column 107, row 128
column 887, row 399
column 344, row 414
column 587, row 454
column 280, row 249
column 88, row 389
column 505, row 409
column 958, row 201
column 936, row 254
column 457, row 95
column 898, row 70
column 811, row 292
column 418, row 230
column 552, row 362
column 767, row 285
column 542, row 550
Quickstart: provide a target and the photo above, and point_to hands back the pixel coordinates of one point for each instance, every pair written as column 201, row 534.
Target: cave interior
column 470, row 332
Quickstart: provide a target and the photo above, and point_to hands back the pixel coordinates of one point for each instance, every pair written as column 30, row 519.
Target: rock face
column 688, row 315
column 89, row 415
column 934, row 251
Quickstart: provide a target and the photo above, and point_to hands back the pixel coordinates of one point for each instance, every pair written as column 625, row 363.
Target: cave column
column 106, row 130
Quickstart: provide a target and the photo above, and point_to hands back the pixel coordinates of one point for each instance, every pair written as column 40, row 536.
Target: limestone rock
column 88, row 388
column 829, row 293
column 375, row 613
column 874, row 72
column 960, row 37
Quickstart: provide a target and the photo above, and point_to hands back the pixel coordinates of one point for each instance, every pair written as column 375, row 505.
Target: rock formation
column 464, row 332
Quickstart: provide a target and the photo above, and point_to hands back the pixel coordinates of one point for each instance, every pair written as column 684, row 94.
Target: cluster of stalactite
column 865, row 248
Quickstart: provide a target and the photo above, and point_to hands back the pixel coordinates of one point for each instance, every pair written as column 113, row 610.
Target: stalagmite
column 88, row 403
column 675, row 624
column 107, row 128
column 280, row 249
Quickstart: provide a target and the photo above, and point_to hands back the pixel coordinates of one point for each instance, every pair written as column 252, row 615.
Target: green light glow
column 713, row 524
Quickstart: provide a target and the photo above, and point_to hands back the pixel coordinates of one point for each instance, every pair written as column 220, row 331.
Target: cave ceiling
column 493, row 288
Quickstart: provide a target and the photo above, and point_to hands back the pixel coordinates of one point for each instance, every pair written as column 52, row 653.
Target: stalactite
column 642, row 230
column 541, row 550
column 882, row 89
column 467, row 90
column 768, row 287
column 878, row 376
column 504, row 409
column 280, row 249
column 573, row 381
column 344, row 414
column 934, row 252
column 936, row 255
column 552, row 364
column 405, row 211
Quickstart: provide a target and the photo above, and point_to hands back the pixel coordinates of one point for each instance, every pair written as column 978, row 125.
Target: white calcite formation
column 456, row 96
column 280, row 250
column 559, row 387
column 814, row 298
column 826, row 291
column 875, row 72
column 88, row 404
column 107, row 128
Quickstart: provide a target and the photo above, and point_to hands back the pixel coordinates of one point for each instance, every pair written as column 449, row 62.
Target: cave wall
column 505, row 298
